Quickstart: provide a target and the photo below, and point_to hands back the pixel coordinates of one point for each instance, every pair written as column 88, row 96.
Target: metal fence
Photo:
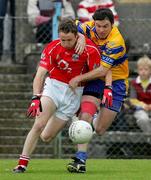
column 124, row 139
column 22, row 39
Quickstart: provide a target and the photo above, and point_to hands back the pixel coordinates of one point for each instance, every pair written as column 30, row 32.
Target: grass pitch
column 100, row 169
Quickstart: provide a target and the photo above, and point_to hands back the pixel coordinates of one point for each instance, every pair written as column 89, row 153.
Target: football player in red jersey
column 54, row 102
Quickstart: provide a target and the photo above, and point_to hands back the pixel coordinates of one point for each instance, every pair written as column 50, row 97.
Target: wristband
column 108, row 87
column 35, row 97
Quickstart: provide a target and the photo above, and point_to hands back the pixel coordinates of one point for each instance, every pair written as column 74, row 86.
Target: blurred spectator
column 67, row 10
column 140, row 94
column 4, row 8
column 86, row 9
column 40, row 16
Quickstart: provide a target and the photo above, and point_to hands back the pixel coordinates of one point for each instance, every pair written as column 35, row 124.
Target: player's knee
column 46, row 138
column 86, row 117
column 100, row 130
column 88, row 107
column 38, row 127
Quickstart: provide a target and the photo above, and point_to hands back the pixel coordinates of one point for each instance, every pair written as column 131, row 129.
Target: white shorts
column 66, row 101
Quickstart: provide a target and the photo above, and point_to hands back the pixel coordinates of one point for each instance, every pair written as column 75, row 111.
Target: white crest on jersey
column 43, row 56
column 75, row 57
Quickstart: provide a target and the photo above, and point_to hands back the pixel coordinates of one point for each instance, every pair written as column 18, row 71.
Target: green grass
column 55, row 169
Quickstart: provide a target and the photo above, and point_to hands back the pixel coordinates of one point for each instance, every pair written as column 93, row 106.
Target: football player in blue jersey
column 106, row 36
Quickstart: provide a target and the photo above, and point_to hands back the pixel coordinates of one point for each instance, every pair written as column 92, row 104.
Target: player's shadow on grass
column 95, row 172
column 47, row 171
column 110, row 172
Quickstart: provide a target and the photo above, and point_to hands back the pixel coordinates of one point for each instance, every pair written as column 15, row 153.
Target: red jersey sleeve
column 94, row 57
column 46, row 60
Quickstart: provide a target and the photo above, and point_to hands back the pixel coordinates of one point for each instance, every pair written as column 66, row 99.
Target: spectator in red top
column 86, row 9
column 140, row 94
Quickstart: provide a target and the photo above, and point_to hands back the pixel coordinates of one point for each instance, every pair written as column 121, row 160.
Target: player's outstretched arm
column 94, row 74
column 35, row 107
column 107, row 94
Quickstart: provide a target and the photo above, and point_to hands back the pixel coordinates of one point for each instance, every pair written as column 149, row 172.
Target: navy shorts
column 96, row 87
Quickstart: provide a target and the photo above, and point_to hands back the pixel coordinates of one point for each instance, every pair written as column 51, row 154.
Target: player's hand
column 80, row 45
column 74, row 82
column 35, row 107
column 107, row 96
column 146, row 107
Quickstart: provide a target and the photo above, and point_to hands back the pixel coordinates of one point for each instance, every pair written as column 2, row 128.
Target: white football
column 80, row 132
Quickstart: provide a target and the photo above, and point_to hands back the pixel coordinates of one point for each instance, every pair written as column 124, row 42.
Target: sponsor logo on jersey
column 63, row 65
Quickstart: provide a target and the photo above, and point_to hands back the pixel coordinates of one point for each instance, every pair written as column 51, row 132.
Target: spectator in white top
column 40, row 16
column 86, row 9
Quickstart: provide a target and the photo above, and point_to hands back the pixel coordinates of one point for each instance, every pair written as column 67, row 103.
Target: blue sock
column 82, row 156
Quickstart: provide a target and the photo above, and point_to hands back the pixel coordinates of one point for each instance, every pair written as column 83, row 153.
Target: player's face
column 144, row 72
column 103, row 28
column 68, row 40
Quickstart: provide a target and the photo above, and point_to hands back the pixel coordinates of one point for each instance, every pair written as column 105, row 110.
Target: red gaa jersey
column 63, row 64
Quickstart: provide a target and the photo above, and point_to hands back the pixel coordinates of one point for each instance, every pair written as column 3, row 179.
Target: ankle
column 23, row 161
column 82, row 156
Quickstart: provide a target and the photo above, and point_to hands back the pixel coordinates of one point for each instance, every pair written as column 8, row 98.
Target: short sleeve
column 45, row 60
column 94, row 58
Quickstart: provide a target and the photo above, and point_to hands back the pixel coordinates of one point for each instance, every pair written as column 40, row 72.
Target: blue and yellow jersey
column 113, row 50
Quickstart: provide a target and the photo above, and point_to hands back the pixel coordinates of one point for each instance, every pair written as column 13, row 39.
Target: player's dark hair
column 67, row 26
column 102, row 14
